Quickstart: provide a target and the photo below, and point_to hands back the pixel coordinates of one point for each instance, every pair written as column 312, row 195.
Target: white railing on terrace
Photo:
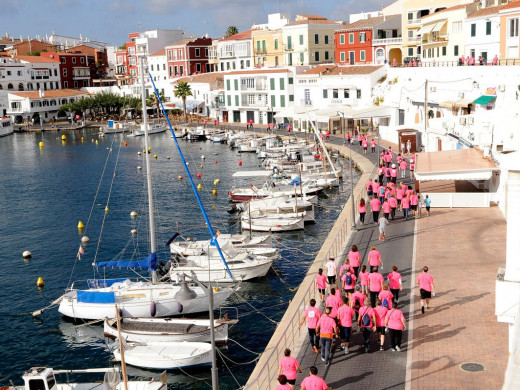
column 414, row 39
column 387, row 41
column 414, row 21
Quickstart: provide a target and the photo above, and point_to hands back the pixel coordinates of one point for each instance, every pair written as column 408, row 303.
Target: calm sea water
column 45, row 192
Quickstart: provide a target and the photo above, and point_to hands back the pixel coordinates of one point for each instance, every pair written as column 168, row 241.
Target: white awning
column 480, row 174
column 372, row 112
column 438, row 26
column 425, row 29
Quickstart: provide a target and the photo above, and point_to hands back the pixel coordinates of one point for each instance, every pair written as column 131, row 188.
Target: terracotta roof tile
column 241, row 36
column 448, row 9
column 50, row 93
column 485, row 11
column 201, row 78
column 514, row 4
column 36, row 59
column 159, row 53
column 334, row 70
column 311, row 21
column 182, row 42
column 363, row 24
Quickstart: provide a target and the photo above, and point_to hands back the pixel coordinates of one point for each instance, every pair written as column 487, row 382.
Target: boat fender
column 153, row 309
column 180, row 307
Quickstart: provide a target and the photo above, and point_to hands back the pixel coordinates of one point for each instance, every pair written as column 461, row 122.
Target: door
column 236, row 116
column 351, row 57
column 439, row 144
column 225, row 116
column 270, row 117
column 250, row 115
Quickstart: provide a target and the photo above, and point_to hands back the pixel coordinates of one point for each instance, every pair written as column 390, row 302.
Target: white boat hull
column 265, row 225
column 219, row 274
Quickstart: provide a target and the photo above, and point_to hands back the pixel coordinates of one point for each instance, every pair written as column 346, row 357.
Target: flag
column 81, row 251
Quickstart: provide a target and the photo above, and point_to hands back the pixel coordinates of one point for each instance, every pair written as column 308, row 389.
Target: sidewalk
column 463, row 249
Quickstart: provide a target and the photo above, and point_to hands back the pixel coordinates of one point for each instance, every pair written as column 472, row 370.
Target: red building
column 76, row 69
column 131, row 57
column 188, row 57
column 353, row 42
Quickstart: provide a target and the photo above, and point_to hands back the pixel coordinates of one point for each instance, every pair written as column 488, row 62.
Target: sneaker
column 381, row 348
column 342, row 346
column 346, row 351
column 398, row 349
column 327, row 364
column 422, row 309
column 393, row 349
column 366, row 349
column 322, row 359
column 315, row 349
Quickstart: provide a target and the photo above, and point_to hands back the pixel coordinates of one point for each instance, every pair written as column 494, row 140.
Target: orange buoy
column 125, row 144
column 216, row 162
column 199, row 175
column 179, row 177
column 240, row 163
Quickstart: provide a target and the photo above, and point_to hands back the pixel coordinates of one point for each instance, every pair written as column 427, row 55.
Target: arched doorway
column 10, row 86
column 395, row 54
column 20, row 87
column 380, row 56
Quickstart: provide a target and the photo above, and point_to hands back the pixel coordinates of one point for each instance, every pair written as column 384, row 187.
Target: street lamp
column 353, row 221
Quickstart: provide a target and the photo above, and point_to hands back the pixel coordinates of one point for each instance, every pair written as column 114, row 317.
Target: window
column 151, row 68
column 264, row 46
column 276, row 44
column 271, row 82
column 456, row 50
column 181, row 70
column 410, row 34
column 326, row 55
column 289, row 43
column 351, row 38
column 176, row 70
column 410, row 15
column 473, row 29
column 324, row 94
column 282, row 101
column 301, row 58
column 82, row 60
column 291, row 98
column 358, row 93
column 484, row 55
column 73, row 60
column 64, row 72
column 488, row 28
column 75, row 84
column 362, row 37
column 199, row 68
column 444, row 50
column 513, row 28
column 258, row 46
column 335, row 94
column 163, row 66
column 170, row 71
column 316, row 56
column 282, row 84
column 228, row 85
column 63, row 60
column 326, row 38
column 273, row 100
column 341, row 39
column 236, row 84
column 55, row 72
column 362, row 55
column 236, row 100
column 301, row 39
column 197, row 52
column 456, row 26
column 229, row 100
column 316, row 39
column 342, row 56
column 291, row 80
column 346, row 94
column 410, row 51
column 65, row 84
column 206, row 51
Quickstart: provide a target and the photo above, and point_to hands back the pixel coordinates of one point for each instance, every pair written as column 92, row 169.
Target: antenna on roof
column 139, row 25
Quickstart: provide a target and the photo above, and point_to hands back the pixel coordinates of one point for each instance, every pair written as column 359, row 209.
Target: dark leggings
column 375, row 215
column 356, row 271
column 395, row 292
column 395, row 337
column 373, row 298
column 362, row 217
column 314, row 339
column 392, row 213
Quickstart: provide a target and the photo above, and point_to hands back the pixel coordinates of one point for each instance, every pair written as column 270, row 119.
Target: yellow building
column 268, row 48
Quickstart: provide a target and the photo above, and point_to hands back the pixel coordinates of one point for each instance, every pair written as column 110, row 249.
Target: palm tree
column 153, row 101
column 232, row 30
column 183, row 90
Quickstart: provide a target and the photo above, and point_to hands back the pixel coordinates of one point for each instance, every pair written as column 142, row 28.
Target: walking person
column 363, row 277
column 333, row 302
column 312, row 314
column 354, row 258
column 374, row 259
column 405, row 206
column 367, row 322
column 419, row 205
column 345, row 316
column 386, row 207
column 414, row 200
column 399, row 194
column 362, row 209
column 289, row 366
column 402, row 167
column 392, row 201
column 412, row 167
column 386, row 296
column 313, row 381
column 345, row 267
column 427, row 204
column 380, row 172
column 380, row 312
column 321, row 284
column 375, row 285
column 357, row 300
column 349, row 282
column 283, row 383
column 373, row 146
column 365, row 145
column 408, row 146
column 381, row 193
column 326, row 328
column 395, row 323
column 370, row 188
column 331, row 271
column 375, row 206
column 383, row 223
column 393, row 173
column 427, row 288
column 396, row 284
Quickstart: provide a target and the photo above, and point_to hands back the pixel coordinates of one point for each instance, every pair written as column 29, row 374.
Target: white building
column 29, row 73
column 482, row 30
column 233, row 52
column 257, row 95
column 158, row 69
column 64, row 42
column 207, row 94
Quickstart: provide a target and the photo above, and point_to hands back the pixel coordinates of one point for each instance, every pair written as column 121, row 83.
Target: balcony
column 288, row 47
column 255, row 104
column 414, row 39
column 442, row 40
column 414, row 21
column 261, row 51
column 256, row 87
column 387, row 41
column 306, row 102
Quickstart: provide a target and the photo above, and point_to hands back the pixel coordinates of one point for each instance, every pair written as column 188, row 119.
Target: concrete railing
column 287, row 334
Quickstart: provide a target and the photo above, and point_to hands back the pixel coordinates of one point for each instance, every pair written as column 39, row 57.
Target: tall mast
column 153, row 248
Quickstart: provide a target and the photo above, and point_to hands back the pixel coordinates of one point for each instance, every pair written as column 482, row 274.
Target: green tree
column 232, row 30
column 183, row 90
column 153, row 101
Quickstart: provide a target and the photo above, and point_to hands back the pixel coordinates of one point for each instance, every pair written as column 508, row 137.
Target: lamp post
column 353, row 221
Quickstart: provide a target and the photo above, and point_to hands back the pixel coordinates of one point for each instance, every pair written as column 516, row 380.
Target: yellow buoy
column 154, row 156
column 63, row 137
column 214, row 192
column 201, row 166
column 106, row 209
column 133, row 214
column 41, row 144
column 149, row 148
column 97, row 142
column 144, row 150
column 80, row 225
column 39, row 282
column 215, row 182
column 199, row 187
column 133, row 231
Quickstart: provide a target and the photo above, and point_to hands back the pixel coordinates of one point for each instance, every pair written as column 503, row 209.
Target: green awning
column 484, row 100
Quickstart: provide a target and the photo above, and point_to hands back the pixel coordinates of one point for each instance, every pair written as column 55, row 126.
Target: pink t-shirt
column 399, row 193
column 385, row 294
column 358, row 297
column 386, row 208
column 363, row 276
column 393, row 202
column 412, row 166
column 393, row 172
column 333, row 302
column 388, row 157
column 326, row 324
column 373, row 144
column 344, row 269
column 403, row 165
column 313, row 314
column 354, row 258
column 425, row 281
column 375, row 279
column 313, row 382
column 365, row 144
column 399, row 159
column 414, row 199
column 289, row 365
column 380, row 315
column 283, row 387
column 405, row 203
column 375, row 204
column 362, row 209
column 373, row 258
column 366, row 310
column 369, row 183
column 395, row 319
column 352, row 283
column 394, row 278
column 345, row 314
column 322, row 281
column 375, row 187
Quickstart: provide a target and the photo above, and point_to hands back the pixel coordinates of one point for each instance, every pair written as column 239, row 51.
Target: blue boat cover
column 96, row 297
column 101, row 283
column 148, row 263
column 295, row 182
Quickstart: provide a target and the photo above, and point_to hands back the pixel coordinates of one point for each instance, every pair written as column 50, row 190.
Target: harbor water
column 46, row 191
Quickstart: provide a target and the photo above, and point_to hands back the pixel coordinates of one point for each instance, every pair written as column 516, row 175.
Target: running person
column 345, row 315
column 426, row 286
column 321, row 284
column 312, row 314
column 331, row 271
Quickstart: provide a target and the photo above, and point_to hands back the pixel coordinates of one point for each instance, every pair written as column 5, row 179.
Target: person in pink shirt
column 393, row 173
column 327, row 329
column 386, row 296
column 367, row 322
column 363, row 277
column 402, row 167
column 289, row 366
column 373, row 146
column 399, row 158
column 405, row 206
column 427, row 288
column 392, row 201
column 283, row 383
column 370, row 188
column 414, row 201
column 395, row 323
column 321, row 283
column 394, row 278
column 387, row 174
column 345, row 315
column 360, row 139
column 313, row 381
column 412, row 168
column 388, row 159
column 381, row 172
column 312, row 314
column 375, row 186
column 380, row 323
column 375, row 285
column 355, row 258
column 381, row 194
column 365, row 145
column 349, row 282
column 374, row 258
column 345, row 267
column 362, row 209
column 375, row 206
column 387, row 209
column 333, row 301
column 399, row 194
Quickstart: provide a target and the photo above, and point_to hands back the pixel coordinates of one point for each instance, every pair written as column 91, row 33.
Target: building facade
column 509, row 31
column 387, row 41
column 188, row 57
column 268, row 41
column 76, row 69
column 353, row 42
column 482, row 30
column 233, row 52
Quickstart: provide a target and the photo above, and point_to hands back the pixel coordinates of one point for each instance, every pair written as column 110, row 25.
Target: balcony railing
column 255, row 104
column 414, row 21
column 306, row 102
column 288, row 47
column 414, row 39
column 387, row 41
column 256, row 87
column 437, row 40
column 261, row 51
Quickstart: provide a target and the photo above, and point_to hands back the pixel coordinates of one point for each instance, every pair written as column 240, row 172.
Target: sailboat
column 138, row 298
